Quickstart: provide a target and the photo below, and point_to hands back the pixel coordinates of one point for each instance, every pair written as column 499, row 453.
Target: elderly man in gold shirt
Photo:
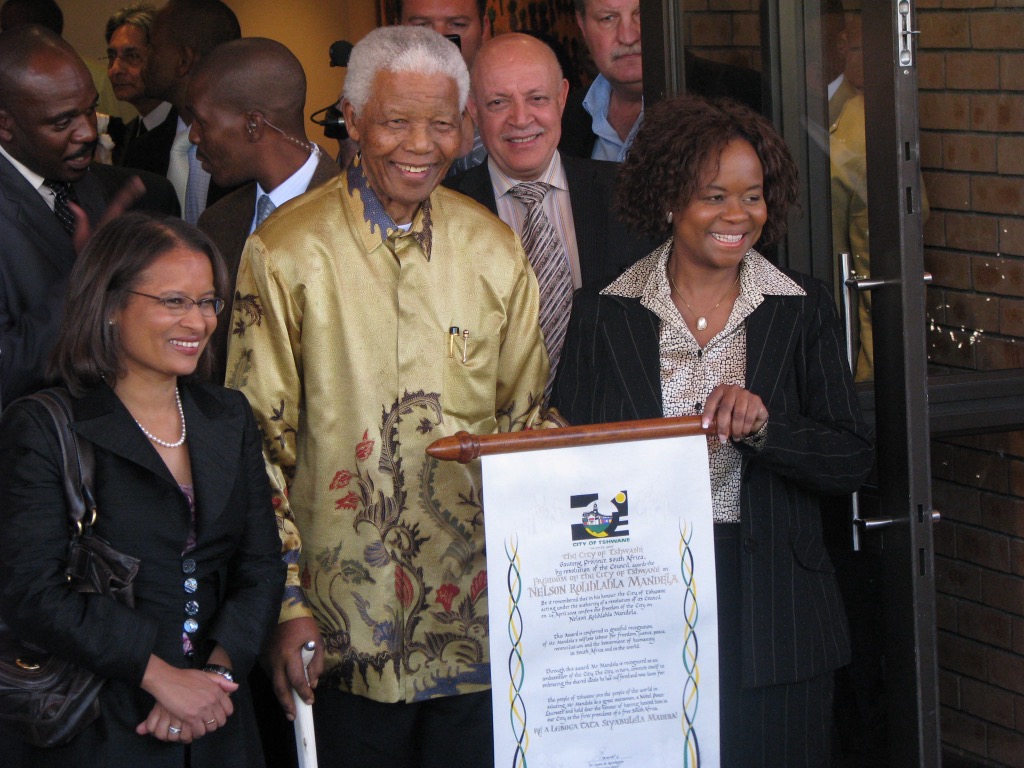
column 373, row 316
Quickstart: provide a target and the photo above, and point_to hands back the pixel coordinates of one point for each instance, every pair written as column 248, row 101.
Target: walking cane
column 305, row 739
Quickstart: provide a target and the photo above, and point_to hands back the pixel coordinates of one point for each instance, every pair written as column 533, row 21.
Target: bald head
column 47, row 104
column 247, row 97
column 518, row 95
column 254, row 73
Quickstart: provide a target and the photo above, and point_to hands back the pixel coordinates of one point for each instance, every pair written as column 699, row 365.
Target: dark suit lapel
column 213, row 446
column 629, row 332
column 90, row 196
column 101, row 418
column 28, row 208
column 213, row 441
column 772, row 330
column 326, row 169
column 477, row 185
column 590, row 232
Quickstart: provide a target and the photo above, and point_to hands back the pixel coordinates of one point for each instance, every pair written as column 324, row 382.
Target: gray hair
column 402, row 49
column 140, row 15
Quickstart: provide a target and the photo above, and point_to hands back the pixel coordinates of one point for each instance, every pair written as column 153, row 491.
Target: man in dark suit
column 247, row 97
column 517, row 97
column 183, row 32
column 47, row 139
column 127, row 36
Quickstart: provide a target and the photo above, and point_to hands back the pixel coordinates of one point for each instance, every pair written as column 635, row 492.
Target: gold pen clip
column 465, row 343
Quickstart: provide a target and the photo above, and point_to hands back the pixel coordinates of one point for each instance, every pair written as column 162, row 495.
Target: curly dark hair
column 678, row 139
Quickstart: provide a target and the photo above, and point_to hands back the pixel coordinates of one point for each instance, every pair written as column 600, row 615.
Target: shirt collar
column 31, row 176
column 646, row 280
column 596, row 102
column 379, row 227
column 554, row 175
column 157, row 115
column 295, row 184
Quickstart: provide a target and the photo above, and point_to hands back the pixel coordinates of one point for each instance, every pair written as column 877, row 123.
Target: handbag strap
column 79, row 461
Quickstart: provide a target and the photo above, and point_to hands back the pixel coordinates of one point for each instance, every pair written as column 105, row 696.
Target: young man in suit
column 47, row 139
column 517, row 97
column 247, row 97
column 183, row 32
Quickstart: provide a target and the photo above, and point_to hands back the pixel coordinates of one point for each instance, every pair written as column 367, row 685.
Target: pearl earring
column 668, row 217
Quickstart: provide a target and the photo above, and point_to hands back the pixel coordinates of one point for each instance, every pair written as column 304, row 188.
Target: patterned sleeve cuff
column 758, row 439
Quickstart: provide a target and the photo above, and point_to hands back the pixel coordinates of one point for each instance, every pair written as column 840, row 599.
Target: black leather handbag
column 45, row 699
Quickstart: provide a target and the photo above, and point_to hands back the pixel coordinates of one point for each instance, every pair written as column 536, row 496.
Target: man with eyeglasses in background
column 127, row 36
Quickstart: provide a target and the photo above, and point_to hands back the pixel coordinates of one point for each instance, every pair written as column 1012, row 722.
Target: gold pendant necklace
column 702, row 320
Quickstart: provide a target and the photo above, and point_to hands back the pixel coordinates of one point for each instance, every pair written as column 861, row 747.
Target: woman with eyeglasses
column 179, row 483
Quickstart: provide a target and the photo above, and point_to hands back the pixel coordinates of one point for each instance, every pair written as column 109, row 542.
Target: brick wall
column 971, row 80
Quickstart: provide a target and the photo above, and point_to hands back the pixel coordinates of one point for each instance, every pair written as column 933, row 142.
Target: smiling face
column 518, row 98
column 450, row 17
column 611, row 30
column 49, row 124
column 409, row 133
column 126, row 55
column 724, row 219
column 157, row 344
column 219, row 133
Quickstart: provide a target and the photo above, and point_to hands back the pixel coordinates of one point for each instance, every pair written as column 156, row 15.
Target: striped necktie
column 62, row 195
column 547, row 256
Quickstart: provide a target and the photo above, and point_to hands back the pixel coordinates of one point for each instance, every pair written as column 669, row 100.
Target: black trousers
column 448, row 732
column 778, row 726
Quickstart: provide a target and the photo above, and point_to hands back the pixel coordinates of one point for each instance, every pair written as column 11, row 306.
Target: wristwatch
column 220, row 669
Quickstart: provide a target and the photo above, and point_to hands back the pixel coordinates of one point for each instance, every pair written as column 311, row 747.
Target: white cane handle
column 305, row 739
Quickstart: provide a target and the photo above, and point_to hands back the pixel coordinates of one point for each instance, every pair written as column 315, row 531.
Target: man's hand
column 121, row 202
column 285, row 657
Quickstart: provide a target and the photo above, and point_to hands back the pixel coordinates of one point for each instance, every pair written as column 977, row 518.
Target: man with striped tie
column 47, row 139
column 247, row 98
column 560, row 206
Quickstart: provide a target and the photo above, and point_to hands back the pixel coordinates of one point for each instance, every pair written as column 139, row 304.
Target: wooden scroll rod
column 464, row 447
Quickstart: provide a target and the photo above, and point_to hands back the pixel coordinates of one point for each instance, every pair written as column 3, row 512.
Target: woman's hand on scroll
column 733, row 412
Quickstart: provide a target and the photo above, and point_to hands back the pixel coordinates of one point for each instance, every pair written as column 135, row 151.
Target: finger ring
column 210, row 722
column 173, row 731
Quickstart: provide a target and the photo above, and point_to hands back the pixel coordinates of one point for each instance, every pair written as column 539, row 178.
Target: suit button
column 749, row 545
column 191, row 585
column 188, row 565
column 191, row 608
column 191, row 625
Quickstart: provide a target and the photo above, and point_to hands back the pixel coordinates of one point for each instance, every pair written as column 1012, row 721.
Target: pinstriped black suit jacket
column 792, row 617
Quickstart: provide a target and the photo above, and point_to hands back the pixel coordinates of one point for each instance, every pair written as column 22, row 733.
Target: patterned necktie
column 547, row 255
column 264, row 207
column 177, row 165
column 62, row 195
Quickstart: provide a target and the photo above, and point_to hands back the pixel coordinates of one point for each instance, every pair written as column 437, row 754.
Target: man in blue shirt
column 602, row 123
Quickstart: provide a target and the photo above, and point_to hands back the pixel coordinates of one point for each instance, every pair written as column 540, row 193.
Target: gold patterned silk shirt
column 359, row 344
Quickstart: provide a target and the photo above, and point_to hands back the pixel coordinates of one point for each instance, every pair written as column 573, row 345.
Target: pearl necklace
column 702, row 320
column 164, row 443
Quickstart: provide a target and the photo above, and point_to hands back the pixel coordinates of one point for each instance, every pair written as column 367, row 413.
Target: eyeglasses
column 131, row 59
column 182, row 305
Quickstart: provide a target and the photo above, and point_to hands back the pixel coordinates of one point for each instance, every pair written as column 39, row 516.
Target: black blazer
column 143, row 512
column 36, row 257
column 792, row 618
column 606, row 246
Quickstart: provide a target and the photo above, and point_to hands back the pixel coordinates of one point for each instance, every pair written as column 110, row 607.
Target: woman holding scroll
column 706, row 325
